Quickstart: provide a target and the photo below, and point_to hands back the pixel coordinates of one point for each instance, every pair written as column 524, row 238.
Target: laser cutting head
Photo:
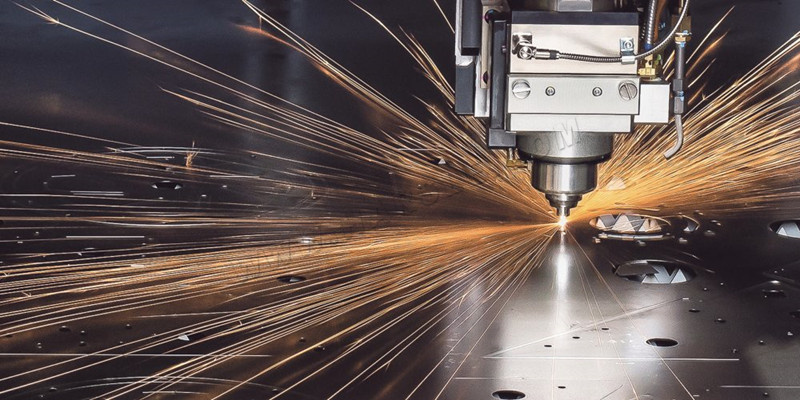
column 557, row 79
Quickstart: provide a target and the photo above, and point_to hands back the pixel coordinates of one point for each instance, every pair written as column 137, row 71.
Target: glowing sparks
column 562, row 223
column 740, row 149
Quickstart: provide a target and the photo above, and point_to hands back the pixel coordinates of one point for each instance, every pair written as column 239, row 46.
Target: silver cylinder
column 567, row 147
column 564, row 184
column 569, row 179
column 565, row 164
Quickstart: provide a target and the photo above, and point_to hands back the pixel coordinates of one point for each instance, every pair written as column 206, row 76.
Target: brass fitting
column 651, row 67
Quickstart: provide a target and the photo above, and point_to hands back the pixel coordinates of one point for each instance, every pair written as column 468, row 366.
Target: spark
column 562, row 223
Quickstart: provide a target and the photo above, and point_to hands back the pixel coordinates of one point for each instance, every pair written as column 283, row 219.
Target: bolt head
column 628, row 91
column 597, row 92
column 550, row 91
column 521, row 89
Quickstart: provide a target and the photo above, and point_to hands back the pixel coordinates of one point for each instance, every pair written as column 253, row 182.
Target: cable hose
column 650, row 24
column 606, row 59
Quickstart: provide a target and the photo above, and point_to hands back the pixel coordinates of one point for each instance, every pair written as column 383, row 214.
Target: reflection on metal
column 655, row 272
column 787, row 229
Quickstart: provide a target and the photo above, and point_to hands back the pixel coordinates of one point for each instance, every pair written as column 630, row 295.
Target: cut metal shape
column 790, row 229
column 628, row 224
column 655, row 272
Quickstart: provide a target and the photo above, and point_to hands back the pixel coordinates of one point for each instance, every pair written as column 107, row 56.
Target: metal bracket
column 522, row 45
column 626, row 50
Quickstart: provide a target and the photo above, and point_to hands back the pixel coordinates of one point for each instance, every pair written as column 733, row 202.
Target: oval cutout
column 291, row 278
column 172, row 185
column 790, row 229
column 773, row 293
column 655, row 272
column 662, row 342
column 691, row 225
column 628, row 224
column 508, row 395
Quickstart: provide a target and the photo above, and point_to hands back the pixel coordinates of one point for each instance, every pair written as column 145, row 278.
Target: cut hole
column 790, row 229
column 662, row 342
column 291, row 278
column 654, row 272
column 562, row 387
column 508, row 395
column 690, row 225
column 795, row 313
column 628, row 224
column 773, row 293
column 694, row 310
column 172, row 185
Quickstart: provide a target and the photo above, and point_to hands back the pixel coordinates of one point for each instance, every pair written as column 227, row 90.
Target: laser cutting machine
column 556, row 79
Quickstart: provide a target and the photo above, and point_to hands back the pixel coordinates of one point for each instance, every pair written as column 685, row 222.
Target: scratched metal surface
column 570, row 329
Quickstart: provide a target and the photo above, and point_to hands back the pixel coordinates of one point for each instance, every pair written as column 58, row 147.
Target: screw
column 521, row 89
column 550, row 91
column 628, row 90
column 628, row 45
column 597, row 92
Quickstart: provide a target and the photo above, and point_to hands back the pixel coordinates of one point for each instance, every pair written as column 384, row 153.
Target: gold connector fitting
column 683, row 37
column 651, row 67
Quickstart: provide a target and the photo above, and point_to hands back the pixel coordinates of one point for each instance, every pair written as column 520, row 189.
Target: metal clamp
column 522, row 45
column 525, row 50
column 626, row 50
